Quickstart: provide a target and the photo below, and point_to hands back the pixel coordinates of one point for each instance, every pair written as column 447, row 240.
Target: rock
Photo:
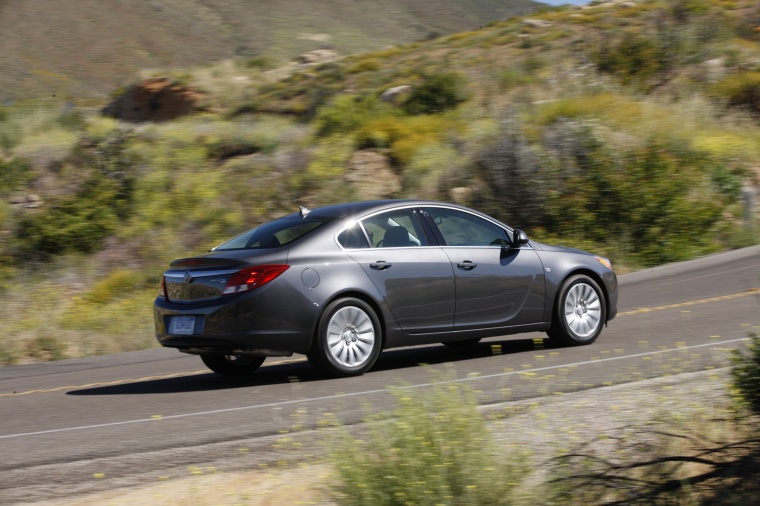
column 33, row 201
column 371, row 175
column 714, row 70
column 395, row 94
column 461, row 195
column 536, row 23
column 21, row 200
column 318, row 57
column 156, row 99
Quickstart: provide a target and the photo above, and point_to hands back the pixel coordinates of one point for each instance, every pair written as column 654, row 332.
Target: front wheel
column 349, row 338
column 232, row 365
column 580, row 312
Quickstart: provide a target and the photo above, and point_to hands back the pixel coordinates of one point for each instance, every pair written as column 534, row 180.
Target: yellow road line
column 103, row 384
column 131, row 380
column 751, row 291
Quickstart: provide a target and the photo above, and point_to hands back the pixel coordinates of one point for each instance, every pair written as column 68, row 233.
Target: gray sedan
column 343, row 282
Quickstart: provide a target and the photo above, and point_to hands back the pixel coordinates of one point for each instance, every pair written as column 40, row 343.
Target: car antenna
column 304, row 212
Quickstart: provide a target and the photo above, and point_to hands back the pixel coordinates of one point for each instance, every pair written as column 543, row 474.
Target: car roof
column 351, row 208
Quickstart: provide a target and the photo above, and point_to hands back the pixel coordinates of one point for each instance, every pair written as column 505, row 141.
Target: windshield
column 276, row 233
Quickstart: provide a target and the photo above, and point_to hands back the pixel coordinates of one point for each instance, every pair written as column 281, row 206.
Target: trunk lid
column 199, row 279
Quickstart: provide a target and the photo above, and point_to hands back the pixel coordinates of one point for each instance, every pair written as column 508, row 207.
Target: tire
column 232, row 365
column 462, row 344
column 580, row 312
column 349, row 338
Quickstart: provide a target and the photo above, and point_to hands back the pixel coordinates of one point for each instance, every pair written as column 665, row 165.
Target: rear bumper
column 250, row 321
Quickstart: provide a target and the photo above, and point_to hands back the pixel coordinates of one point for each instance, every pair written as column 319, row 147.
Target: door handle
column 467, row 265
column 380, row 265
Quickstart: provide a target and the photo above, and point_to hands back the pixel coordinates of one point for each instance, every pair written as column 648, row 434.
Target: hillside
column 85, row 48
column 627, row 128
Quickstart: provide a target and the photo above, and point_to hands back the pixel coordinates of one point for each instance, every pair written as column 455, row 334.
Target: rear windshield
column 276, row 233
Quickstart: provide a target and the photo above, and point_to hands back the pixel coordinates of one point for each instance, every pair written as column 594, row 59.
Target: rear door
column 496, row 286
column 414, row 277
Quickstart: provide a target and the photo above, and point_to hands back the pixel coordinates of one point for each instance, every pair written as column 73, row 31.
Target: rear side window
column 399, row 228
column 276, row 233
column 353, row 238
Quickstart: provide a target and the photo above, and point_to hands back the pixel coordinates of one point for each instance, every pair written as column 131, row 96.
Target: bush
column 116, row 284
column 436, row 94
column 435, row 450
column 13, row 175
column 745, row 375
column 79, row 223
column 631, row 57
column 346, row 113
column 76, row 224
column 741, row 90
column 658, row 202
column 405, row 135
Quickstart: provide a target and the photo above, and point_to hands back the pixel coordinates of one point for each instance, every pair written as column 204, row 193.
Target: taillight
column 253, row 277
column 162, row 287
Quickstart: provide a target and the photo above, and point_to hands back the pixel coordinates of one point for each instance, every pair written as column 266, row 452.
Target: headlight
column 605, row 262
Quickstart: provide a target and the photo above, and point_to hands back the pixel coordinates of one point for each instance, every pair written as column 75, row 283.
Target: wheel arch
column 597, row 279
column 356, row 295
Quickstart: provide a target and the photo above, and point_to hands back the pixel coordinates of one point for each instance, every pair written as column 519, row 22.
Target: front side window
column 459, row 228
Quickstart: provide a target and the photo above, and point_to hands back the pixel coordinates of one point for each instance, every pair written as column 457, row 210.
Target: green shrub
column 741, row 90
column 436, row 449
column 79, row 223
column 115, row 284
column 659, row 202
column 745, row 375
column 436, row 94
column 75, row 224
column 365, row 65
column 513, row 78
column 405, row 135
column 260, row 62
column 14, row 174
column 346, row 113
column 630, row 57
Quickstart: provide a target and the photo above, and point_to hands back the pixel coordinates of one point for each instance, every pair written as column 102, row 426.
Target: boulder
column 318, row 57
column 371, row 175
column 395, row 95
column 536, row 23
column 155, row 99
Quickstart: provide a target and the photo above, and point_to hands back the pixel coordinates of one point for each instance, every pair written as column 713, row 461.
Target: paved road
column 120, row 416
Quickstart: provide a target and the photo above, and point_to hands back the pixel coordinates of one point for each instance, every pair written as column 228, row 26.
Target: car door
column 496, row 285
column 414, row 277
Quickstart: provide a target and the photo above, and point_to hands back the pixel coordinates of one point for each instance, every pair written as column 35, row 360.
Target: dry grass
column 85, row 48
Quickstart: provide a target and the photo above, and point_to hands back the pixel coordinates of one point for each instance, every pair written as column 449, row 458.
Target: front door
column 496, row 286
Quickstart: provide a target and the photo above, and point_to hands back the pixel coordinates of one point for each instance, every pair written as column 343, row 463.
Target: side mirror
column 520, row 238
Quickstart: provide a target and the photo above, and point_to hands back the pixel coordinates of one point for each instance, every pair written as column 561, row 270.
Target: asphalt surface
column 79, row 425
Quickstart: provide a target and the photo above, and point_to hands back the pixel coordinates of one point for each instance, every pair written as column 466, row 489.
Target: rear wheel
column 232, row 365
column 579, row 312
column 349, row 338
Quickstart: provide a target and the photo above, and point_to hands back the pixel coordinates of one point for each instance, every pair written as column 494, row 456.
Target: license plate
column 182, row 325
